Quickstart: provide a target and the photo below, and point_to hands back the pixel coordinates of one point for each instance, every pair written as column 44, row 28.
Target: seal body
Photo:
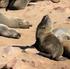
column 46, row 42
column 63, row 34
column 17, row 4
column 14, row 22
column 8, row 32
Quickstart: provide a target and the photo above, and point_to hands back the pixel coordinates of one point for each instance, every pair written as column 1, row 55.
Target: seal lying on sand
column 14, row 23
column 63, row 34
column 8, row 32
column 17, row 4
column 14, row 4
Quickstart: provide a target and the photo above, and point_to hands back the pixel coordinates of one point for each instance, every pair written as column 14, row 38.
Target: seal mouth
column 25, row 26
column 18, row 36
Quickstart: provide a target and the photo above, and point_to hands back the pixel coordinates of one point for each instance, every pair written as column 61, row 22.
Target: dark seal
column 46, row 42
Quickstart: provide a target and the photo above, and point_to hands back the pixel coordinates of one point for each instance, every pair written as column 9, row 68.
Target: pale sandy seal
column 14, row 22
column 8, row 32
column 63, row 34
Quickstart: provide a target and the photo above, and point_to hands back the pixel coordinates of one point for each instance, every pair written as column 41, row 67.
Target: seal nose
column 18, row 36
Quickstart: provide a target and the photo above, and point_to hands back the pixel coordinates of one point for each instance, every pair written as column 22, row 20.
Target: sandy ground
column 58, row 13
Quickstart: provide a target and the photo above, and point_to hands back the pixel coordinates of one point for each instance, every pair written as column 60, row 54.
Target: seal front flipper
column 10, row 4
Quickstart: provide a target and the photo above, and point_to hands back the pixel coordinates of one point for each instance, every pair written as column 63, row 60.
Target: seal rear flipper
column 61, row 58
column 45, row 55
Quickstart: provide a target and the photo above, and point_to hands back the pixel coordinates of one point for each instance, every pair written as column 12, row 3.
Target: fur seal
column 46, row 42
column 14, row 22
column 17, row 4
column 8, row 32
column 63, row 34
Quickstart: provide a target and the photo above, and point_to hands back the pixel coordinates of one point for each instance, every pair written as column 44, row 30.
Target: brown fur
column 46, row 42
